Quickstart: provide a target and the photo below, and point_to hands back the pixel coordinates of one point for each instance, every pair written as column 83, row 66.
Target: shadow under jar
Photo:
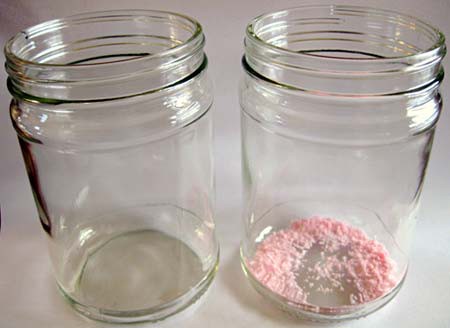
column 339, row 106
column 112, row 114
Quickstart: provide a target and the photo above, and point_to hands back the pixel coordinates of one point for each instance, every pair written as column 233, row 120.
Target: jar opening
column 305, row 46
column 104, row 55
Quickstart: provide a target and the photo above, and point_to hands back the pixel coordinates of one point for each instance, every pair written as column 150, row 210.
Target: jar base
column 143, row 275
column 316, row 313
column 153, row 314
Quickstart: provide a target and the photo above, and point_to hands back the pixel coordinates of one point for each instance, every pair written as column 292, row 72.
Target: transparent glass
column 112, row 111
column 339, row 106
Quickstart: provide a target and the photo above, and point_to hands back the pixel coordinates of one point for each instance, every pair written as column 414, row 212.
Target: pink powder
column 318, row 258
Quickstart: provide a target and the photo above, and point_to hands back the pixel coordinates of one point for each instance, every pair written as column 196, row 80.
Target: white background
column 28, row 295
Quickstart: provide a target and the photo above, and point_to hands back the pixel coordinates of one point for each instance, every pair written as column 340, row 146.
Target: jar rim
column 104, row 55
column 252, row 34
column 84, row 17
column 343, row 50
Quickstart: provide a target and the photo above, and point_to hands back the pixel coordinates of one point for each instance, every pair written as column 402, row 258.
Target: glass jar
column 339, row 107
column 112, row 110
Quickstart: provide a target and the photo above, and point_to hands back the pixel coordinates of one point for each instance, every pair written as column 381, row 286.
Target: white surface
column 28, row 295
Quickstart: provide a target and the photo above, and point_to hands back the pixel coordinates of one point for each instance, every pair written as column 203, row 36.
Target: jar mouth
column 119, row 47
column 189, row 24
column 260, row 26
column 336, row 41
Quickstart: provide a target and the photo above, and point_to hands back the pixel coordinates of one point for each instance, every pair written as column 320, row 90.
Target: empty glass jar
column 339, row 107
column 112, row 110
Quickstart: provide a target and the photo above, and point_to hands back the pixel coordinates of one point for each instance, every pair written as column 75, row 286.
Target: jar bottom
column 127, row 287
column 316, row 313
column 139, row 273
column 323, row 261
column 144, row 315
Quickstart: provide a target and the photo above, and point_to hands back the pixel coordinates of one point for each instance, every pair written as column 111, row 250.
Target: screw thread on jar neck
column 104, row 55
column 344, row 50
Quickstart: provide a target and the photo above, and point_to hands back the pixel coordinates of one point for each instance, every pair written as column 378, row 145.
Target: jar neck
column 104, row 55
column 344, row 50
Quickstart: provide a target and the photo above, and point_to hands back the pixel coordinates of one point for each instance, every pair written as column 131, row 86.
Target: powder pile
column 323, row 256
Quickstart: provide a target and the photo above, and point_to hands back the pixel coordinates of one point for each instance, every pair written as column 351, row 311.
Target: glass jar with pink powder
column 339, row 107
